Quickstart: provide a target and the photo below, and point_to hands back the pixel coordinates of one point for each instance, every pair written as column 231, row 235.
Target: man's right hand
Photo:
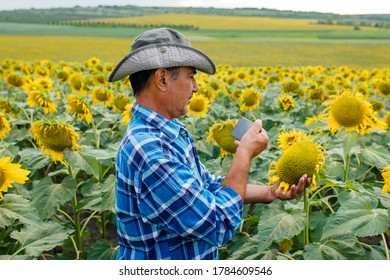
column 254, row 141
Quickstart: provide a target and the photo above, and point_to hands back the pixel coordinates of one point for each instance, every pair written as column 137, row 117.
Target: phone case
column 241, row 128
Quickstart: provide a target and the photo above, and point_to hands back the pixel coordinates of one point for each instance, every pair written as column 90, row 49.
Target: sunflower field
column 61, row 123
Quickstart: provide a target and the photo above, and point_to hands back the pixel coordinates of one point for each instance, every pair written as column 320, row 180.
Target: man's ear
column 160, row 78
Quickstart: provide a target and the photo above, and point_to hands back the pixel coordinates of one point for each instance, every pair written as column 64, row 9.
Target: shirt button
column 163, row 50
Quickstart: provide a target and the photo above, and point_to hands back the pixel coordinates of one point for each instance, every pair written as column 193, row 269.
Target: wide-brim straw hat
column 161, row 48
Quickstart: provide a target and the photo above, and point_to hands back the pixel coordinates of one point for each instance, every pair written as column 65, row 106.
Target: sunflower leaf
column 276, row 224
column 101, row 250
column 344, row 247
column 17, row 208
column 355, row 216
column 84, row 162
column 36, row 240
column 376, row 155
column 48, row 197
column 100, row 198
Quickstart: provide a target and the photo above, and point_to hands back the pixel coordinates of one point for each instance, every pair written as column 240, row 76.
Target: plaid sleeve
column 173, row 198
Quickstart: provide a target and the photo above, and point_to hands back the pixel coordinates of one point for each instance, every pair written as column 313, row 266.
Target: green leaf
column 375, row 155
column 350, row 140
column 276, row 224
column 33, row 158
column 101, row 198
column 101, row 250
column 355, row 216
column 17, row 208
column 344, row 247
column 35, row 240
column 48, row 197
column 84, row 162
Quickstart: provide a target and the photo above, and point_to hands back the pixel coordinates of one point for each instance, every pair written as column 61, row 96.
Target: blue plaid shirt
column 168, row 206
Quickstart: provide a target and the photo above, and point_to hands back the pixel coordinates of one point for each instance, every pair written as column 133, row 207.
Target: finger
column 257, row 127
column 237, row 142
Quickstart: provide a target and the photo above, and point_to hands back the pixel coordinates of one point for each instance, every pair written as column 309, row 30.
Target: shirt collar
column 170, row 128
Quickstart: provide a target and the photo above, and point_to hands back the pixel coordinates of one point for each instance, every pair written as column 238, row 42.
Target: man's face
column 180, row 90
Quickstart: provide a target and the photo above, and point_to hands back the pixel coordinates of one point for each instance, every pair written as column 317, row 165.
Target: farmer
column 168, row 205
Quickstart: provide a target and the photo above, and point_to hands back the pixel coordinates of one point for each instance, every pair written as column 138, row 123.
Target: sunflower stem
column 95, row 134
column 386, row 247
column 346, row 166
column 78, row 233
column 306, row 206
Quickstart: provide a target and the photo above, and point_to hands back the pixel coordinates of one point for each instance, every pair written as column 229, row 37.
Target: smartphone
column 241, row 128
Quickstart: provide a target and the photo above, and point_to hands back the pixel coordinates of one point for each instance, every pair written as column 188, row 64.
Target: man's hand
column 254, row 141
column 294, row 190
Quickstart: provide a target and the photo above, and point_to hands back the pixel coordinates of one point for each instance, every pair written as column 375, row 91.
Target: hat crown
column 160, row 36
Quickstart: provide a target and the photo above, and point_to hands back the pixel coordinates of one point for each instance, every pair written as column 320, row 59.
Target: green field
column 249, row 41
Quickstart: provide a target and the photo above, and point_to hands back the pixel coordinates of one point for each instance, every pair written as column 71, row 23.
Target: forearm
column 237, row 176
column 259, row 194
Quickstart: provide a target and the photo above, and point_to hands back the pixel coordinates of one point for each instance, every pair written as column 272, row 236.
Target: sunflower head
column 9, row 108
column 126, row 115
column 78, row 106
column 350, row 112
column 286, row 102
column 317, row 95
column 250, row 99
column 41, row 99
column 303, row 157
column 4, row 126
column 384, row 88
column 286, row 139
column 386, row 120
column 76, row 81
column 54, row 137
column 221, row 134
column 10, row 173
column 120, row 102
column 102, row 95
column 13, row 79
column 198, row 105
column 386, row 179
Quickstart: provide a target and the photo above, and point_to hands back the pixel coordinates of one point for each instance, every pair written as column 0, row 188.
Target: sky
column 323, row 6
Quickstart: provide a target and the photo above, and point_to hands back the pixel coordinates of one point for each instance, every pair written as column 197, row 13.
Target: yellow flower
column 351, row 113
column 209, row 94
column 10, row 173
column 376, row 105
column 386, row 178
column 4, row 126
column 384, row 88
column 198, row 105
column 220, row 133
column 290, row 87
column 286, row 102
column 250, row 99
column 78, row 106
column 286, row 139
column 41, row 99
column 42, row 72
column 54, row 137
column 92, row 62
column 303, row 157
column 76, row 81
column 102, row 96
column 9, row 108
column 386, row 120
column 316, row 95
column 13, row 79
column 126, row 115
column 120, row 101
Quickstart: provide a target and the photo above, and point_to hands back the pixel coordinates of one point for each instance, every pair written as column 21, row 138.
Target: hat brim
column 162, row 56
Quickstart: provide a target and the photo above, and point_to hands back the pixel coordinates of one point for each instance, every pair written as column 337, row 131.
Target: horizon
column 329, row 6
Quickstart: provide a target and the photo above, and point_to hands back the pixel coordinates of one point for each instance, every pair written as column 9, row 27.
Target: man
column 168, row 206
